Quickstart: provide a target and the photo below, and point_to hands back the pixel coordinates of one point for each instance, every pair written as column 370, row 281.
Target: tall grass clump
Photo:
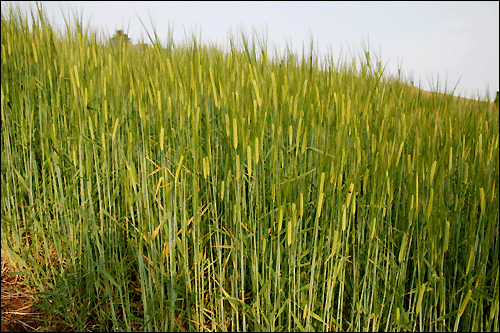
column 189, row 188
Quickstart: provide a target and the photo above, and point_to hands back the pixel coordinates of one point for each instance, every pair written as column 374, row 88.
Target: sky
column 437, row 45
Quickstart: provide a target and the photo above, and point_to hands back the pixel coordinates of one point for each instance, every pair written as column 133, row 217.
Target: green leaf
column 109, row 277
column 20, row 261
column 48, row 293
column 446, row 316
column 22, row 180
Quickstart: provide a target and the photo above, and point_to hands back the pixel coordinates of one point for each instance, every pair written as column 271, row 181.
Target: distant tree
column 142, row 45
column 496, row 99
column 139, row 48
column 120, row 37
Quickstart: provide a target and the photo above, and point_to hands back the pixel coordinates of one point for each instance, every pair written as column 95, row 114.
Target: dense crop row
column 183, row 187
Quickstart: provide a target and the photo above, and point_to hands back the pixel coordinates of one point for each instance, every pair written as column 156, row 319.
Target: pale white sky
column 432, row 41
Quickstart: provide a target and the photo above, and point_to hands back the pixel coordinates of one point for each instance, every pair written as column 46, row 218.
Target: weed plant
column 182, row 187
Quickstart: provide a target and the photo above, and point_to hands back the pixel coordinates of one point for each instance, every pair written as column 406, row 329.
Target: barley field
column 190, row 188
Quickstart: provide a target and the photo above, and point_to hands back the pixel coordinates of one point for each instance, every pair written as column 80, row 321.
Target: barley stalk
column 116, row 156
column 235, row 134
column 483, row 200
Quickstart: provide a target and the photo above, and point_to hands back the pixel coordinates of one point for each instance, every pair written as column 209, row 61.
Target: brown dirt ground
column 18, row 314
column 18, row 309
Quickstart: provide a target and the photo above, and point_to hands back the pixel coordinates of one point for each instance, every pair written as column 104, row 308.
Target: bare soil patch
column 19, row 312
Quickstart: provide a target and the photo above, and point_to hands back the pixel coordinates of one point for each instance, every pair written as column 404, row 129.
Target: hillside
column 467, row 100
column 186, row 188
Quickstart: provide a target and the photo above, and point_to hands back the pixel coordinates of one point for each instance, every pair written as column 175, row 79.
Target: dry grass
column 19, row 310
column 467, row 100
